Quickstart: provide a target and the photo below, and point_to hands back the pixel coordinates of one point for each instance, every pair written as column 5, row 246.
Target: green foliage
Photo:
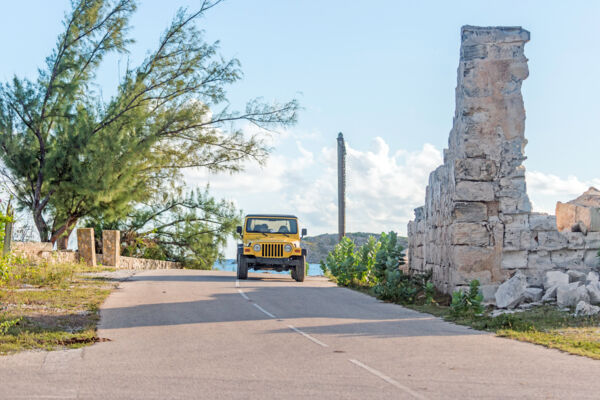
column 468, row 303
column 342, row 262
column 389, row 257
column 376, row 265
column 7, row 324
column 191, row 228
column 69, row 154
column 16, row 271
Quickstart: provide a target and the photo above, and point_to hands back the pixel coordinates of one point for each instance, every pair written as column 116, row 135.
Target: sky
column 382, row 72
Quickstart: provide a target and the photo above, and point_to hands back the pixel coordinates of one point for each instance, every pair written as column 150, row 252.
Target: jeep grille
column 272, row 250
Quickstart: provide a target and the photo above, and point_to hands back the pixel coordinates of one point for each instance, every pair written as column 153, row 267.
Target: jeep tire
column 242, row 268
column 300, row 269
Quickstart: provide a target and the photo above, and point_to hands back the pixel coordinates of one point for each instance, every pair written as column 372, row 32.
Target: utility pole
column 341, row 153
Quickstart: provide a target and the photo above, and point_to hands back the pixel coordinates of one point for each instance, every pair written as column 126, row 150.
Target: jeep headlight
column 256, row 247
column 287, row 248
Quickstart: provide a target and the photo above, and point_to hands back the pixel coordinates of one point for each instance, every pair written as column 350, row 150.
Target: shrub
column 342, row 262
column 469, row 303
column 389, row 256
column 376, row 265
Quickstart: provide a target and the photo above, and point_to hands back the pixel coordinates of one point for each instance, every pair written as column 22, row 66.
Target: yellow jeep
column 271, row 241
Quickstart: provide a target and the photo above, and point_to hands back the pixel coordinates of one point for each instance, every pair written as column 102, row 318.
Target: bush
column 376, row 265
column 342, row 263
column 469, row 303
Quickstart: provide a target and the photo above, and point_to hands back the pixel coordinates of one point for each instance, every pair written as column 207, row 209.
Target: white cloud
column 383, row 187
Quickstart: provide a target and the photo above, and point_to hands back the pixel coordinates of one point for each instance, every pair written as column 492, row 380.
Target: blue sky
column 378, row 69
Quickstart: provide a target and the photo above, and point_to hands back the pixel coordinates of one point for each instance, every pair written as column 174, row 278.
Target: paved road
column 202, row 335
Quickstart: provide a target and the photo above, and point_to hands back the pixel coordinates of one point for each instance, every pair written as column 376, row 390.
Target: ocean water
column 230, row 265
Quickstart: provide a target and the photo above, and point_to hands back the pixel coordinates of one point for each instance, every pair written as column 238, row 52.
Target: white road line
column 306, row 335
column 265, row 311
column 243, row 294
column 388, row 380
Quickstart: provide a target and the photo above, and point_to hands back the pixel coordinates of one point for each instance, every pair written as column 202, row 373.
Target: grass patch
column 48, row 307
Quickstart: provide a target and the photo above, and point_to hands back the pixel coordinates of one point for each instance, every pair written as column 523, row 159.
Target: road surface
column 204, row 335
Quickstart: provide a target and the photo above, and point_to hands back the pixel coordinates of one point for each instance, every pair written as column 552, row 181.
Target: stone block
column 550, row 294
column 593, row 290
column 567, row 258
column 86, row 245
column 475, row 169
column 576, row 276
column 592, row 277
column 517, row 240
column 590, row 259
column 568, row 215
column 555, row 278
column 592, row 240
column 472, row 35
column 575, row 240
column 539, row 260
column 571, row 294
column 474, row 191
column 551, row 240
column 489, row 293
column 511, row 292
column 585, row 309
column 469, row 212
column 533, row 294
column 542, row 222
column 468, row 233
column 111, row 247
column 514, row 259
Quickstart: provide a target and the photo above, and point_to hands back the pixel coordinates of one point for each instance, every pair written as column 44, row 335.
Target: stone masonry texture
column 477, row 221
column 86, row 245
column 111, row 247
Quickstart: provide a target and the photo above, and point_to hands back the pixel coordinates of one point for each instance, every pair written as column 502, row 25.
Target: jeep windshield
column 272, row 225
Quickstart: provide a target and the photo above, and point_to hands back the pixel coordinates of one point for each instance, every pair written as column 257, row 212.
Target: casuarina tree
column 67, row 154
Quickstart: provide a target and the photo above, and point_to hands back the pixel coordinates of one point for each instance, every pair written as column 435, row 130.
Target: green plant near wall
column 467, row 303
column 389, row 256
column 366, row 258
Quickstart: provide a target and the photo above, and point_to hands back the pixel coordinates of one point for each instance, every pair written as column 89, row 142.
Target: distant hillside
column 319, row 246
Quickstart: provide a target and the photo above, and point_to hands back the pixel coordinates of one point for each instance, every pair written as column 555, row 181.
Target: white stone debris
column 592, row 277
column 593, row 290
column 555, row 278
column 512, row 292
column 570, row 294
column 533, row 294
column 585, row 309
column 576, row 276
column 550, row 295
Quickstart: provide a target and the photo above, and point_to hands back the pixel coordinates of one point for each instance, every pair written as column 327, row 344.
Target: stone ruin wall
column 477, row 221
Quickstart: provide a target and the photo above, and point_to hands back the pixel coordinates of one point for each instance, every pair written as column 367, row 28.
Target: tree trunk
column 63, row 242
column 61, row 235
column 41, row 226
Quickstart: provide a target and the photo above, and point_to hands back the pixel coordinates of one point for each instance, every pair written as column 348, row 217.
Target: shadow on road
column 316, row 309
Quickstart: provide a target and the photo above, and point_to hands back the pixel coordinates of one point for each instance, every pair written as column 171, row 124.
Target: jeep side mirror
column 303, row 232
column 239, row 230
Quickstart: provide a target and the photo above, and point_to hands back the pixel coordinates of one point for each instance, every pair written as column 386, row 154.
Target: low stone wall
column 31, row 249
column 42, row 252
column 142, row 263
